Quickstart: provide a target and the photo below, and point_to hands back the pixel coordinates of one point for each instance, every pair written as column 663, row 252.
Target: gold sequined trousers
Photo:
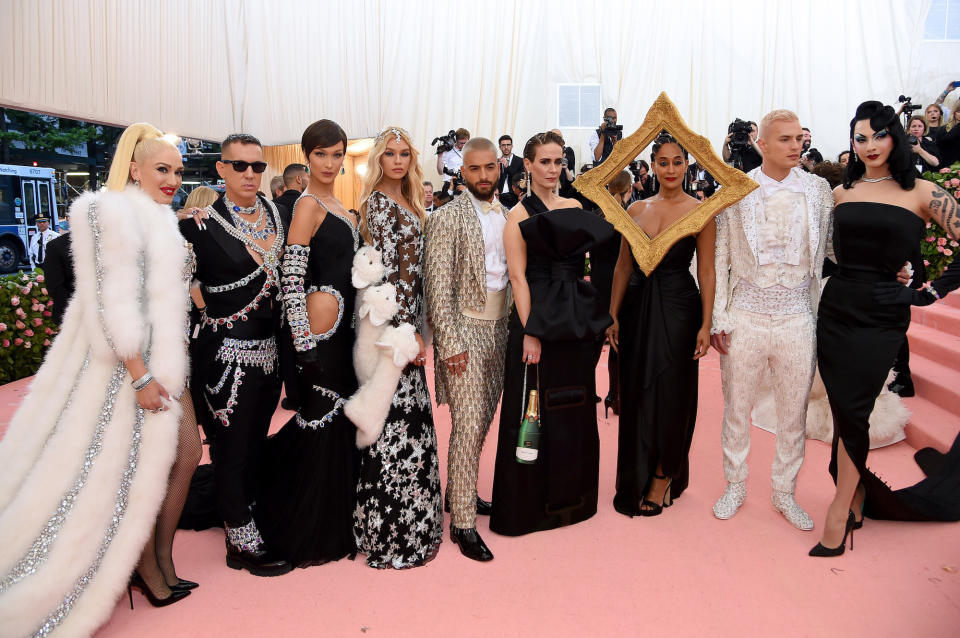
column 473, row 399
column 783, row 348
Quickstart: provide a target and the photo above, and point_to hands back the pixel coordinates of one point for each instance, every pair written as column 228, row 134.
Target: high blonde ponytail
column 135, row 142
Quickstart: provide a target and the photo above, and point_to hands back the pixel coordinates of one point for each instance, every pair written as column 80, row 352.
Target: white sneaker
column 786, row 504
column 728, row 504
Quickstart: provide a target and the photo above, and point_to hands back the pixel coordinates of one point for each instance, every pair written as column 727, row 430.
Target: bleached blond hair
column 776, row 115
column 411, row 187
column 136, row 143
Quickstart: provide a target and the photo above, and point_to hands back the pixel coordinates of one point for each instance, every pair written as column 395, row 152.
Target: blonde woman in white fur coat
column 88, row 455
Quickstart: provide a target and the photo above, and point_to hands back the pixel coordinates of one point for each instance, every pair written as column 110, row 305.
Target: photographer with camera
column 644, row 185
column 740, row 148
column 510, row 164
column 926, row 155
column 608, row 134
column 450, row 156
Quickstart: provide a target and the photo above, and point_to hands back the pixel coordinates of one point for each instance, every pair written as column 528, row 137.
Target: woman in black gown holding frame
column 556, row 327
column 879, row 220
column 664, row 335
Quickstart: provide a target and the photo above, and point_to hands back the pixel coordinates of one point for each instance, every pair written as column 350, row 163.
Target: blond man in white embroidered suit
column 770, row 251
column 467, row 295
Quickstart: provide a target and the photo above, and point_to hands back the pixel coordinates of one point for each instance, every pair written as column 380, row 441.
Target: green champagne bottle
column 528, row 440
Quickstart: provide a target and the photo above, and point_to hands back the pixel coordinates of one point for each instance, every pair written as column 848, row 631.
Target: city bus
column 26, row 192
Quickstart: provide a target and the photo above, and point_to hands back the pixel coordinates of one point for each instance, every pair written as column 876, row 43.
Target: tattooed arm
column 945, row 211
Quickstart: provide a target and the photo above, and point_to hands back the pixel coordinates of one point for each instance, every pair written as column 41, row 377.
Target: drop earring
column 137, row 183
column 528, row 182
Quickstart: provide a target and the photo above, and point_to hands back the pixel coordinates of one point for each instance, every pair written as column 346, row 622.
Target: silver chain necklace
column 875, row 180
column 250, row 228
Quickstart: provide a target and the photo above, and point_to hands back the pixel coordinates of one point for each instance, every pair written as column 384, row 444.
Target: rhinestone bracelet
column 142, row 382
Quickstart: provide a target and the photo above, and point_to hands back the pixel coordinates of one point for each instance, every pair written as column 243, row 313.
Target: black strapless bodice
column 563, row 307
column 872, row 241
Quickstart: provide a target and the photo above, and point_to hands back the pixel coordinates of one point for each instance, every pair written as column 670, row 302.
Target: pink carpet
column 681, row 574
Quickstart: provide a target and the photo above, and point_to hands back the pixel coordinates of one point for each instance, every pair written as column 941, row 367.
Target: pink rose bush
column 938, row 248
column 25, row 320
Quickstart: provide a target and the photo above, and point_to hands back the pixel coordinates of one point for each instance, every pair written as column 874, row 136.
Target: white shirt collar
column 768, row 186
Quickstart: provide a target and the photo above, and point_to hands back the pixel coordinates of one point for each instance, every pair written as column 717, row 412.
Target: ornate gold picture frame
column 663, row 115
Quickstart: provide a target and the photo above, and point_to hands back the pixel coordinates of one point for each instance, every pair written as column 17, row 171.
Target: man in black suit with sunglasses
column 238, row 248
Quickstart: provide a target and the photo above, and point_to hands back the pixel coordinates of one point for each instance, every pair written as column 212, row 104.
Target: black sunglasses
column 240, row 166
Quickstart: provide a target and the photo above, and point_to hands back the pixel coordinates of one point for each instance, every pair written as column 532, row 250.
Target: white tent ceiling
column 212, row 67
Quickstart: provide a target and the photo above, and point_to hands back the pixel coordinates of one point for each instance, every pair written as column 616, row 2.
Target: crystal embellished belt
column 256, row 352
column 775, row 300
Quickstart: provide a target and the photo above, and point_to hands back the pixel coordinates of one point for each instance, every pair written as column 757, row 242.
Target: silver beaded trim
column 223, row 414
column 119, row 509
column 37, row 554
column 240, row 283
column 271, row 262
column 223, row 379
column 353, row 229
column 94, row 220
column 326, row 418
column 246, row 537
column 775, row 300
column 293, row 282
column 251, row 352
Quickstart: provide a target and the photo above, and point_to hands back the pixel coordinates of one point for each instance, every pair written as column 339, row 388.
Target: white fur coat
column 76, row 458
column 381, row 351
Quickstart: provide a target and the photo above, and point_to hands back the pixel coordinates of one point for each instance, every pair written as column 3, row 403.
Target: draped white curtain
column 209, row 68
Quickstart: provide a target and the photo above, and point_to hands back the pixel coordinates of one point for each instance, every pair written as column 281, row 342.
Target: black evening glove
column 893, row 292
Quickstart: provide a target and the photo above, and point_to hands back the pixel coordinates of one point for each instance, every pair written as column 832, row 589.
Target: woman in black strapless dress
column 309, row 481
column 660, row 334
column 878, row 223
column 556, row 329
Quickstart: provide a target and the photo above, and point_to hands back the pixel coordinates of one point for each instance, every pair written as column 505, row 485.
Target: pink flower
column 953, row 242
column 931, row 238
column 28, row 332
column 947, row 252
column 47, row 313
column 14, row 301
column 956, row 194
column 49, row 331
column 40, row 278
column 939, row 249
column 46, row 342
column 20, row 325
column 945, row 170
column 37, row 322
column 926, row 263
column 34, row 301
column 50, row 303
column 6, row 343
column 954, row 182
column 36, row 307
column 3, row 326
column 44, row 291
column 20, row 313
column 941, row 241
column 27, row 344
column 17, row 341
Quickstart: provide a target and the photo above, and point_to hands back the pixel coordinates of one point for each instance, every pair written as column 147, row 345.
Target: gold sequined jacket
column 455, row 274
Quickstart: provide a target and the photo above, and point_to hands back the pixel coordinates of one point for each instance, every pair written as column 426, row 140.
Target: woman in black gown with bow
column 665, row 331
column 879, row 220
column 556, row 329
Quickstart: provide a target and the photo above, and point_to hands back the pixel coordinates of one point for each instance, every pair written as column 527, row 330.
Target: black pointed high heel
column 823, row 551
column 610, row 404
column 656, row 509
column 183, row 585
column 136, row 581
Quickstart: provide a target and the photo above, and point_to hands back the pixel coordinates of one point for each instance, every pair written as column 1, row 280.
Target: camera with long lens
column 908, row 106
column 445, row 142
column 613, row 131
column 912, row 139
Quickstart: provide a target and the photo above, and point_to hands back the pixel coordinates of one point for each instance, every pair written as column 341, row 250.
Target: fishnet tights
column 156, row 562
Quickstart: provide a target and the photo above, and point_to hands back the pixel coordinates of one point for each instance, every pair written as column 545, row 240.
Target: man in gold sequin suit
column 769, row 260
column 467, row 295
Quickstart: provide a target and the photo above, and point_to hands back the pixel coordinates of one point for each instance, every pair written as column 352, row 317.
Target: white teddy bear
column 381, row 351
